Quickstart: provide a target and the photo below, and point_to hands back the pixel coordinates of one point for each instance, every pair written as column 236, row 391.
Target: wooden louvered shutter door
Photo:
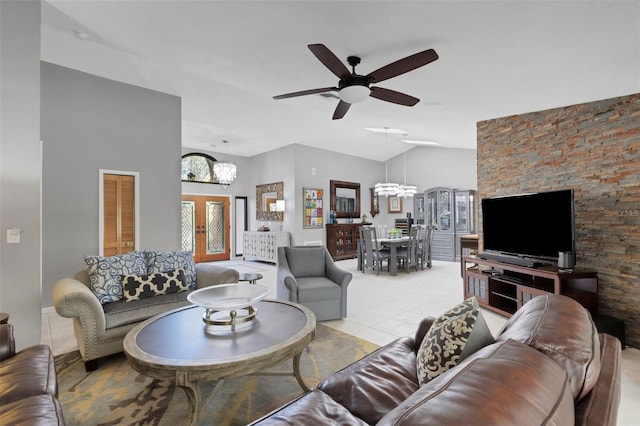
column 119, row 214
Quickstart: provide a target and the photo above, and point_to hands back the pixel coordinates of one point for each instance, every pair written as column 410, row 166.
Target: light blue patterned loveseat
column 102, row 316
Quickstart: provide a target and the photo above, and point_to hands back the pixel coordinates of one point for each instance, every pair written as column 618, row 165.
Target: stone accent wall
column 593, row 148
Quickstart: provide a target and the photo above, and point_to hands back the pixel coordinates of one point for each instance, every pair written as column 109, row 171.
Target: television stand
column 504, row 287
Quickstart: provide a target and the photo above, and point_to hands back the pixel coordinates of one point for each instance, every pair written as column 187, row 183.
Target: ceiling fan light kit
column 354, row 94
column 353, row 88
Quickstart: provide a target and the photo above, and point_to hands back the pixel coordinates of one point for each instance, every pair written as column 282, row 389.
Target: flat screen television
column 536, row 225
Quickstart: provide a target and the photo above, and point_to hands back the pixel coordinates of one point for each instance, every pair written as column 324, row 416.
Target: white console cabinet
column 263, row 245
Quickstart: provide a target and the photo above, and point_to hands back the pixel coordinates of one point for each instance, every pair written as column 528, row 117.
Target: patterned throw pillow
column 105, row 273
column 137, row 287
column 450, row 340
column 162, row 261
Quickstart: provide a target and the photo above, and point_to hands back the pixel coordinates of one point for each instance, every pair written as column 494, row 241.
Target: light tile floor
column 382, row 308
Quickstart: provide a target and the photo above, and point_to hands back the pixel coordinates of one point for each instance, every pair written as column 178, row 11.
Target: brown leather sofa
column 548, row 366
column 28, row 384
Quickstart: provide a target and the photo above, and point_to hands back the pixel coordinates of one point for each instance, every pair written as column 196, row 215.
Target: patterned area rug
column 115, row 394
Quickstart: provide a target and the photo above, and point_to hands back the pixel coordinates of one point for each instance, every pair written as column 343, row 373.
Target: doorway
column 119, row 212
column 206, row 227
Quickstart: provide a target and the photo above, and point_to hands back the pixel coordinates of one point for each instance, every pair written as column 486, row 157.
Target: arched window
column 198, row 167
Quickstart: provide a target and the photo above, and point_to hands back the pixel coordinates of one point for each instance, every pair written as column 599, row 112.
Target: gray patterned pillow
column 162, row 261
column 105, row 273
column 449, row 341
column 137, row 287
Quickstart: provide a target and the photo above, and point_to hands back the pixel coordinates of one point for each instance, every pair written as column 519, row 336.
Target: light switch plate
column 13, row 235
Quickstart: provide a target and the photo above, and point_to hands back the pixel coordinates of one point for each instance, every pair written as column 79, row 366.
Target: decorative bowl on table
column 228, row 304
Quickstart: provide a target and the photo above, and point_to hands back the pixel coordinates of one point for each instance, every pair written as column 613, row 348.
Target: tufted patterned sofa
column 100, row 328
column 547, row 366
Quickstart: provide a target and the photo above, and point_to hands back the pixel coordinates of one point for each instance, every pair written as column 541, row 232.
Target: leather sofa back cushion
column 506, row 383
column 376, row 384
column 562, row 329
column 306, row 261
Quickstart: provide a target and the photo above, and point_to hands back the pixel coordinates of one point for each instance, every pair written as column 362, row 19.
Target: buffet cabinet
column 453, row 213
column 342, row 240
column 504, row 288
column 263, row 245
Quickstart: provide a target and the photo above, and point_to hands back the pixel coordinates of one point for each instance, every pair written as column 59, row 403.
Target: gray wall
column 293, row 164
column 20, row 167
column 90, row 123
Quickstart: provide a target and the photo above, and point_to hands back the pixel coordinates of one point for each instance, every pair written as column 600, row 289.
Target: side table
column 250, row 277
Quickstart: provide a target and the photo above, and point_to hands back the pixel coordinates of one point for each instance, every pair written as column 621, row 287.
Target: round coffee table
column 252, row 278
column 174, row 346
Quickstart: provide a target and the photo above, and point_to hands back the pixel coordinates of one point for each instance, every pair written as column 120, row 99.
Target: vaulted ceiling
column 227, row 59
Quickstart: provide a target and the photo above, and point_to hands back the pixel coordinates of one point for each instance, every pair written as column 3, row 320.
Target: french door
column 206, row 227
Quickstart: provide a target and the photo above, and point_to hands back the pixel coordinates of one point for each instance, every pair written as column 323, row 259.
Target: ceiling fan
column 353, row 88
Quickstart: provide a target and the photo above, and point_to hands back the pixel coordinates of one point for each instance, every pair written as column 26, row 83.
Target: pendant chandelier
column 225, row 171
column 406, row 190
column 386, row 188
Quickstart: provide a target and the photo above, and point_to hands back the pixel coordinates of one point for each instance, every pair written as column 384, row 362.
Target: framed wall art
column 395, row 204
column 313, row 208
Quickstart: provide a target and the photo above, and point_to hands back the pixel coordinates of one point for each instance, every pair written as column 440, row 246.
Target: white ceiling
column 227, row 59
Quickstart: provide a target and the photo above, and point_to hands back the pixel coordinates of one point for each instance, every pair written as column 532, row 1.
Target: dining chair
column 424, row 245
column 372, row 257
column 408, row 256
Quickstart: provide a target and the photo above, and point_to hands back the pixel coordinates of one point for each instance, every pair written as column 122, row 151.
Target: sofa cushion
column 313, row 408
column 29, row 372
column 311, row 289
column 36, row 410
column 306, row 261
column 450, row 341
column 562, row 329
column 373, row 386
column 105, row 273
column 122, row 313
column 163, row 261
column 137, row 287
column 503, row 384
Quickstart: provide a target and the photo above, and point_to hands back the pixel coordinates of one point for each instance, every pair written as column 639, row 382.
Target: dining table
column 393, row 244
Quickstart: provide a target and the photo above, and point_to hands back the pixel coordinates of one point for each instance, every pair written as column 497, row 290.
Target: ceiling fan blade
column 341, row 110
column 329, row 60
column 306, row 92
column 393, row 96
column 404, row 65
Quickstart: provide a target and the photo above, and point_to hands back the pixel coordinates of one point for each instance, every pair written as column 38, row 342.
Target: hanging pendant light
column 387, row 188
column 406, row 190
column 225, row 171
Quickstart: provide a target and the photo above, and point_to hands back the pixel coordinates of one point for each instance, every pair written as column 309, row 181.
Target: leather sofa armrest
column 600, row 406
column 423, row 327
column 74, row 299
column 7, row 342
column 208, row 274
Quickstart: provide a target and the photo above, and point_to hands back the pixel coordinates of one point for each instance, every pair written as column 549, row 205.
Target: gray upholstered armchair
column 308, row 275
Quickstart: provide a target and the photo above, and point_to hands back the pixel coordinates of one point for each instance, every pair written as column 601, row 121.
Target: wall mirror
column 345, row 198
column 266, row 196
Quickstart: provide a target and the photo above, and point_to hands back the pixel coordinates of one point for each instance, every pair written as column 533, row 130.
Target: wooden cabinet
column 342, row 240
column 504, row 288
column 263, row 245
